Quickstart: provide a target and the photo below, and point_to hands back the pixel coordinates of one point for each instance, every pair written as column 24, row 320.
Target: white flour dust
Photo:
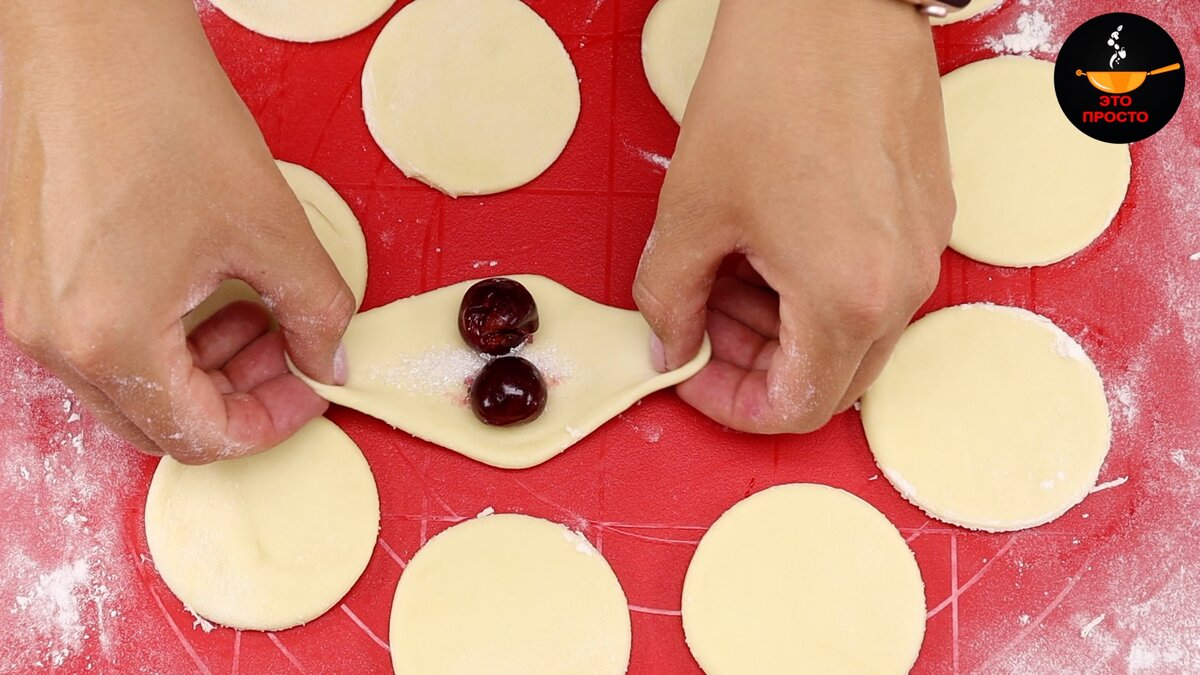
column 61, row 477
column 1033, row 34
column 1129, row 606
column 654, row 158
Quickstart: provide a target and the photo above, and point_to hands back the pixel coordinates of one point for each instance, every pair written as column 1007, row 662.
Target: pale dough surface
column 971, row 11
column 269, row 541
column 470, row 96
column 334, row 224
column 988, row 417
column 304, row 20
column 803, row 578
column 409, row 367
column 674, row 41
column 509, row 595
column 1032, row 189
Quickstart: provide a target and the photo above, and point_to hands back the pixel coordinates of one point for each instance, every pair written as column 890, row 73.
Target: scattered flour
column 1090, row 626
column 61, row 479
column 1066, row 347
column 654, row 158
column 1116, row 482
column 582, row 545
column 199, row 621
column 1032, row 34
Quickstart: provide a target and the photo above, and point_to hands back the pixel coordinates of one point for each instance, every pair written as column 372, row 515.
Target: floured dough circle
column 470, row 96
column 269, row 541
column 988, row 417
column 335, row 226
column 976, row 8
column 1031, row 188
column 803, row 578
column 674, row 41
column 304, row 20
column 509, row 595
column 409, row 367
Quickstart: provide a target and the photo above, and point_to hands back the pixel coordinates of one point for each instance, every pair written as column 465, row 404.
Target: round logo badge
column 1119, row 78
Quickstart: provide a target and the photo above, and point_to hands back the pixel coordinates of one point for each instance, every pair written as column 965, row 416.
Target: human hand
column 814, row 144
column 132, row 182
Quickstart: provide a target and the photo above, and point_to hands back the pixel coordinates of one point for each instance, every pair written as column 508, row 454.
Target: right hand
column 132, row 182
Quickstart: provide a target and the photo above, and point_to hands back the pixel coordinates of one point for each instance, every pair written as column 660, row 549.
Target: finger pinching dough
column 674, row 41
column 410, row 367
column 803, row 578
column 988, row 417
column 304, row 20
column 269, row 541
column 509, row 595
column 335, row 226
column 1031, row 188
column 470, row 96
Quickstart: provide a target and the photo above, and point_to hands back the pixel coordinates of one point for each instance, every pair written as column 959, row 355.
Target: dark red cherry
column 508, row 390
column 497, row 315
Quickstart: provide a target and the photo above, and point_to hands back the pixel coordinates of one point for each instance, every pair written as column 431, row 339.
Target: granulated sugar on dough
column 448, row 370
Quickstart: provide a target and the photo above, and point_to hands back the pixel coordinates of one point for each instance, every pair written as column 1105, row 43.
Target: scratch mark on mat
column 392, row 554
column 971, row 582
column 363, row 627
column 187, row 646
column 655, row 611
column 290, row 656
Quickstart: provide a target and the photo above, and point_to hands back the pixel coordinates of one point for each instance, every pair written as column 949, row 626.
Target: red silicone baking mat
column 1110, row 587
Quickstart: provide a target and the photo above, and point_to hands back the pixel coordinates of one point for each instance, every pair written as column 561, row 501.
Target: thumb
column 674, row 279
column 305, row 293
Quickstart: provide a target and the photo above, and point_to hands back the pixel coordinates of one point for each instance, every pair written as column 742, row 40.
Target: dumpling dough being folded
column 409, row 367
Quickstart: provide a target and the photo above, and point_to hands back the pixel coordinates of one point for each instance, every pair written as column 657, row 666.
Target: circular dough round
column 674, row 41
column 470, row 96
column 269, row 541
column 306, row 20
column 1032, row 189
column 803, row 578
column 507, row 595
column 988, row 417
column 335, row 226
column 976, row 8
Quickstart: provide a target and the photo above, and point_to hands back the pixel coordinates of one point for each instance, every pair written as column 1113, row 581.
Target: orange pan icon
column 1122, row 81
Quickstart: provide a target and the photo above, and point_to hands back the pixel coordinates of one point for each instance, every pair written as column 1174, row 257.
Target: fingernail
column 341, row 367
column 658, row 354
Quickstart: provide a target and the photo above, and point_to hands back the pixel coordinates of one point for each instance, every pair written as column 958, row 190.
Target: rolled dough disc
column 304, row 20
column 1031, row 189
column 409, row 367
column 334, row 224
column 803, row 578
column 976, row 8
column 269, row 541
column 509, row 595
column 988, row 417
column 470, row 96
column 674, row 41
